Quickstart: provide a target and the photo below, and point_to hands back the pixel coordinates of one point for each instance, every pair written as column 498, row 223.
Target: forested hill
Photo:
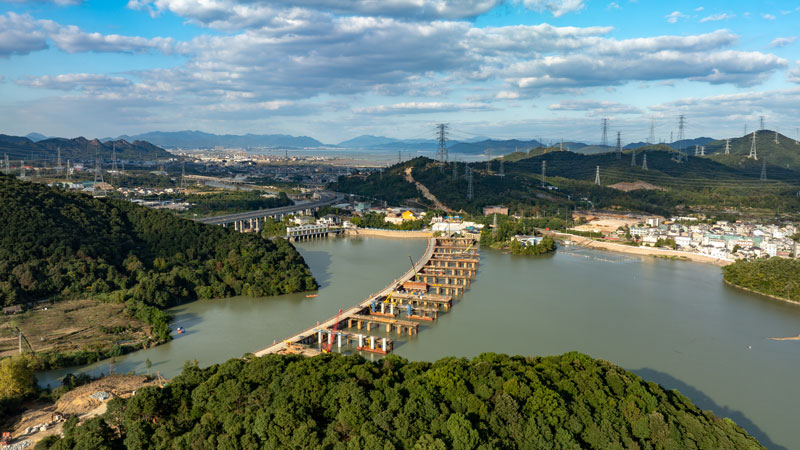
column 345, row 402
column 779, row 277
column 698, row 182
column 58, row 243
column 22, row 148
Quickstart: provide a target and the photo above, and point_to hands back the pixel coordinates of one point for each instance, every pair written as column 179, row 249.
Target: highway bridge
column 252, row 219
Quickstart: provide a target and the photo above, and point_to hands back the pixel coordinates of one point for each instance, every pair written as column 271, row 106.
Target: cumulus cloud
column 68, row 82
column 794, row 74
column 557, row 7
column 782, row 42
column 594, row 107
column 768, row 16
column 246, row 13
column 717, row 17
column 20, row 35
column 423, row 107
column 674, row 16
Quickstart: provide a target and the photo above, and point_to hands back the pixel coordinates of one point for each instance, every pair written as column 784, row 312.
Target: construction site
column 419, row 296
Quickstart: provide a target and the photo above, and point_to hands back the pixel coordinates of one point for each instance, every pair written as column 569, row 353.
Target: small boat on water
column 181, row 330
column 312, row 295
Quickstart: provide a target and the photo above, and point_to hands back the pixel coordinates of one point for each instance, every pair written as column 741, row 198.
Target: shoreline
column 753, row 291
column 380, row 232
column 641, row 251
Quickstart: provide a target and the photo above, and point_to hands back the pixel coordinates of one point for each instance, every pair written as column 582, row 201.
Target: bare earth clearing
column 70, row 326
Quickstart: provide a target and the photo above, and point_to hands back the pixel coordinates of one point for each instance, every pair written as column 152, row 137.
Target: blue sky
column 335, row 69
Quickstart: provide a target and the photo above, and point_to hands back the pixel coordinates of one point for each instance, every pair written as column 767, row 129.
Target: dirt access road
column 425, row 192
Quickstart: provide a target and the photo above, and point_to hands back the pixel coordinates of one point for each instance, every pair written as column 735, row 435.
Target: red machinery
column 333, row 331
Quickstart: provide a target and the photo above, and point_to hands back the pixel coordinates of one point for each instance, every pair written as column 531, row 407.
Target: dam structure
column 443, row 273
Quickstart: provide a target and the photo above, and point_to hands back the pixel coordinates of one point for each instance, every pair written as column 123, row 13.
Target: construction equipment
column 333, row 331
column 413, row 268
column 6, row 439
column 161, row 380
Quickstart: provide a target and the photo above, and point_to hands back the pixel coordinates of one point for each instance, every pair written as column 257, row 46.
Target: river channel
column 672, row 322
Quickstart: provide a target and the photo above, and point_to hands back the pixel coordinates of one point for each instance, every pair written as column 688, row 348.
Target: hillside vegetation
column 60, row 244
column 345, row 402
column 774, row 276
column 696, row 184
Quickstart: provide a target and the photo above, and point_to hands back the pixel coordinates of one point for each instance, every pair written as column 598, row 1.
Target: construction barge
column 442, row 274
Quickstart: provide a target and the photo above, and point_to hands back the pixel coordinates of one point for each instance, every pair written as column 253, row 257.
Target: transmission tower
column 762, row 123
column 488, row 161
column 681, row 135
column 69, row 171
column 544, row 172
column 114, row 158
column 644, row 161
column 441, row 133
column 183, row 175
column 619, row 145
column 470, row 192
column 696, row 150
column 776, row 137
column 753, row 154
column 633, row 157
column 502, row 173
column 604, row 140
column 763, row 169
column 455, row 170
column 652, row 138
column 399, row 156
column 58, row 166
column 702, row 150
column 98, row 176
column 597, row 177
column 22, row 169
column 727, row 146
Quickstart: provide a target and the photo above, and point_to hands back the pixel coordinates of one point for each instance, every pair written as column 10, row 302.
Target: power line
column 544, row 172
column 604, row 139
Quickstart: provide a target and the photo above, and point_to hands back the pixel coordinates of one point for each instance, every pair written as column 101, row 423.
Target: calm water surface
column 671, row 322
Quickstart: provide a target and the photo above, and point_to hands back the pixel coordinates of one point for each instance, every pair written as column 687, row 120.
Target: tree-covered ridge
column 774, row 276
column 69, row 245
column 346, row 402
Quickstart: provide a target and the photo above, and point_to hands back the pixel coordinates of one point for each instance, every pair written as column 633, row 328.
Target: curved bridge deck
column 400, row 296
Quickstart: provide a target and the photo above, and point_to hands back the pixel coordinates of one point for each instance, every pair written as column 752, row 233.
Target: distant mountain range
column 199, row 139
column 80, row 148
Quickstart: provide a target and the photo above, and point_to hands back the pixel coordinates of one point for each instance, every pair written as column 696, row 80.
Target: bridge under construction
column 443, row 273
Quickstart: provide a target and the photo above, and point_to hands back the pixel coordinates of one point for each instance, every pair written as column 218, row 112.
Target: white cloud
column 782, row 42
column 557, row 7
column 594, row 107
column 717, row 17
column 423, row 107
column 699, row 8
column 68, row 82
column 674, row 16
column 794, row 74
column 613, row 5
column 23, row 34
column 768, row 16
column 20, row 35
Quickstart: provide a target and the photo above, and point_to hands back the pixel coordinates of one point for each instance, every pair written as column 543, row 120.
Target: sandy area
column 645, row 251
column 75, row 402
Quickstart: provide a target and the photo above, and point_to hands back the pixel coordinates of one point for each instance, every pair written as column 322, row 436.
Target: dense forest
column 774, row 276
column 68, row 245
column 217, row 203
column 346, row 402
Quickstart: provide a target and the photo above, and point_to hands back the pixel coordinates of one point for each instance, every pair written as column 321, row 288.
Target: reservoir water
column 672, row 322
